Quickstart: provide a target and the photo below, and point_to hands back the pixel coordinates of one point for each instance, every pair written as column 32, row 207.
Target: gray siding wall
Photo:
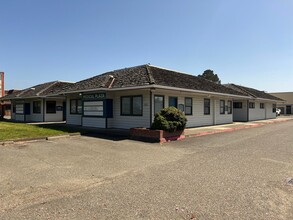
column 198, row 118
column 269, row 111
column 257, row 113
column 58, row 116
column 119, row 121
column 72, row 119
column 94, row 122
column 240, row 114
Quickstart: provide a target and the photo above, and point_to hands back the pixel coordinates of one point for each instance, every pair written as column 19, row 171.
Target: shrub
column 169, row 119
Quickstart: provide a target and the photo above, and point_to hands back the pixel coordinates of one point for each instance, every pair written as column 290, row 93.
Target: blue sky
column 245, row 42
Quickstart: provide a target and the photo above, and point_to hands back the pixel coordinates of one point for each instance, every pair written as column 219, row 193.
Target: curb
column 234, row 129
column 28, row 140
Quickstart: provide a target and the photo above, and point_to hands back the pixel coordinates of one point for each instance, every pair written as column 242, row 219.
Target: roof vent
column 33, row 88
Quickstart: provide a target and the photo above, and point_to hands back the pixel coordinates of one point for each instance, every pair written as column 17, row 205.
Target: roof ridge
column 244, row 90
column 43, row 90
column 149, row 72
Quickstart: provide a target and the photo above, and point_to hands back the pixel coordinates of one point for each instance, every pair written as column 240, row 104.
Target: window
column 222, row 107
column 93, row 108
column 131, row 105
column 262, row 105
column 237, row 105
column 75, row 106
column 7, row 107
column 188, row 106
column 159, row 103
column 37, row 107
column 173, row 101
column 13, row 108
column 207, row 106
column 251, row 105
column 229, row 107
column 274, row 108
column 51, row 107
column 19, row 109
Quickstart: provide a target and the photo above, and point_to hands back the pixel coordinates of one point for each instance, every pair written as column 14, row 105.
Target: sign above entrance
column 94, row 96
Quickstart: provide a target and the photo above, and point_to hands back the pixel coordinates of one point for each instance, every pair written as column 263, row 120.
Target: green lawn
column 12, row 130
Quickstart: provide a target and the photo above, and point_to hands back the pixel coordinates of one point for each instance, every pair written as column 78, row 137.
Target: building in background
column 2, row 93
column 287, row 106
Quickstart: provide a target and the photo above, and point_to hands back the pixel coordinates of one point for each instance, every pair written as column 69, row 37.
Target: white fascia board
column 159, row 87
column 270, row 100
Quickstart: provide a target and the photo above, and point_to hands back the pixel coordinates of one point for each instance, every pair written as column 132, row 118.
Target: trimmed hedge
column 169, row 119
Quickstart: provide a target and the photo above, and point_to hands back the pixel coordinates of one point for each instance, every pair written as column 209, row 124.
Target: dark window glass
column 207, row 106
column 251, row 105
column 237, row 105
column 136, row 105
column 51, row 107
column 229, row 107
column 7, row 107
column 188, row 106
column 173, row 101
column 131, row 105
column 159, row 103
column 222, row 107
column 37, row 107
column 262, row 105
column 125, row 105
column 75, row 106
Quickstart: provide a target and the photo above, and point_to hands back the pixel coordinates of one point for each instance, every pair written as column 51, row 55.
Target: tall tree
column 210, row 75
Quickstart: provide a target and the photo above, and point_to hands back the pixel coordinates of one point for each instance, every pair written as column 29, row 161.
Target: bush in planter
column 169, row 119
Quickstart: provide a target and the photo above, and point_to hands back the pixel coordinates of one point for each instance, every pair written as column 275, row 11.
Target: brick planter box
column 144, row 134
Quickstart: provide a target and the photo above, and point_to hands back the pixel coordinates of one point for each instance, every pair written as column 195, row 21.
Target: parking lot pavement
column 35, row 172
column 238, row 175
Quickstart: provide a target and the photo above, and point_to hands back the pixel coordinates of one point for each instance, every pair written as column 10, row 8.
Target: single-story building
column 33, row 104
column 260, row 106
column 5, row 106
column 287, row 106
column 130, row 97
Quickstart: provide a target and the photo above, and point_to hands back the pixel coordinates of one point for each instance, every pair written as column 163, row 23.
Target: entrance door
column 27, row 108
column 288, row 110
column 64, row 111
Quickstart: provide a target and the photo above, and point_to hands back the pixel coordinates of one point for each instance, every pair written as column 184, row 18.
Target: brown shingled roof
column 149, row 75
column 253, row 92
column 40, row 90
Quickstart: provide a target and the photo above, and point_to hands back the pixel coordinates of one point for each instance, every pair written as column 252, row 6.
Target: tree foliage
column 210, row 75
column 169, row 119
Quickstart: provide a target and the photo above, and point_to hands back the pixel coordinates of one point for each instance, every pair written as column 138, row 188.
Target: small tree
column 169, row 119
column 210, row 75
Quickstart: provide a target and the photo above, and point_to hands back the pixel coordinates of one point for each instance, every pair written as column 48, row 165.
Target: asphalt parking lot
column 237, row 175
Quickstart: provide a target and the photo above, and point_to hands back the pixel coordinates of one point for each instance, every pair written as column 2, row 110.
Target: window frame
column 171, row 97
column 51, row 112
column 262, row 105
column 35, row 107
column 222, row 107
column 191, row 109
column 230, row 107
column 209, row 106
column 131, row 105
column 251, row 105
column 159, row 96
column 76, row 106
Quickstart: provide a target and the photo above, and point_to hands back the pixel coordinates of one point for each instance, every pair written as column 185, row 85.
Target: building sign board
column 94, row 96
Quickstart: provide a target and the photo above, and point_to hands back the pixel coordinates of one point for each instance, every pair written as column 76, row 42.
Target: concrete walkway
column 207, row 130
